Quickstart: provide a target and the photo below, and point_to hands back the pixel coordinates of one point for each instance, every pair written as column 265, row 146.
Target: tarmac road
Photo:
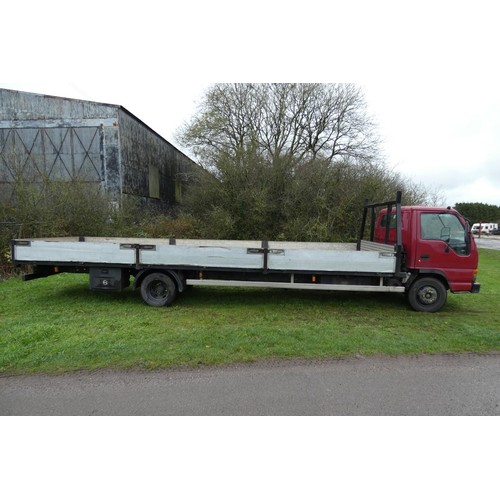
column 465, row 384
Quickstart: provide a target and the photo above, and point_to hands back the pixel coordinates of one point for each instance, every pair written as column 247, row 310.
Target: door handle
column 425, row 256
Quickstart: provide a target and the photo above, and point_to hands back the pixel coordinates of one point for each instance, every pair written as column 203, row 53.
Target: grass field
column 56, row 324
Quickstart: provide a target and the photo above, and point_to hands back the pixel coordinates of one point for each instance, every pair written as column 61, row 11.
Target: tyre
column 427, row 295
column 158, row 290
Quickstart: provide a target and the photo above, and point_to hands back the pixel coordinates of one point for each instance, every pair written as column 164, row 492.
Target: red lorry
column 418, row 251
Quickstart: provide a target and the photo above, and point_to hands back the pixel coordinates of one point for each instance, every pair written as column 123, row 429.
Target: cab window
column 447, row 228
column 393, row 219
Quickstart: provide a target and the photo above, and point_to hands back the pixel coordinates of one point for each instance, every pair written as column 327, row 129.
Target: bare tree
column 293, row 121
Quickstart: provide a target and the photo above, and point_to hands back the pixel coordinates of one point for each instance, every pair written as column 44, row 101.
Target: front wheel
column 427, row 295
column 158, row 289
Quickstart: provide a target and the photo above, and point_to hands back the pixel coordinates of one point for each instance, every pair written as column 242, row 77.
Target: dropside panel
column 102, row 252
column 202, row 256
column 332, row 261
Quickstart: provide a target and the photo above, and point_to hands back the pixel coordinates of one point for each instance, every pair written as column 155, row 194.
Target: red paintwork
column 459, row 270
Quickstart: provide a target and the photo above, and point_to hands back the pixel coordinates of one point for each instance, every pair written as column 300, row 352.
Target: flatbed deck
column 246, row 255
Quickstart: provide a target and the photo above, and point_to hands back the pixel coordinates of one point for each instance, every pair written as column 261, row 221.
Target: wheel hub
column 427, row 295
column 158, row 289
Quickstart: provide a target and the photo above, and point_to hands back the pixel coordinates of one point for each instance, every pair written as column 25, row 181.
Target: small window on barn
column 154, row 182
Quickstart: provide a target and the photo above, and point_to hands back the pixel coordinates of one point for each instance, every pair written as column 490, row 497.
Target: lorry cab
column 436, row 242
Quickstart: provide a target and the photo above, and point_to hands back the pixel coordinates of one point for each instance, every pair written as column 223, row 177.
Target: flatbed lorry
column 418, row 251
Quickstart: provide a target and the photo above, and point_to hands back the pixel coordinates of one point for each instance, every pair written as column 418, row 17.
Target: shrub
column 49, row 208
column 163, row 226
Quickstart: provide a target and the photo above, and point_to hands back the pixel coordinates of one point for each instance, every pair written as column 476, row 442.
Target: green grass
column 56, row 324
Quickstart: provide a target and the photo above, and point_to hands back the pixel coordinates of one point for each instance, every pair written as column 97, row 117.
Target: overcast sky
column 428, row 70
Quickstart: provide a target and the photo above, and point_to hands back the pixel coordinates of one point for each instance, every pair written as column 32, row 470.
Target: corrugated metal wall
column 63, row 139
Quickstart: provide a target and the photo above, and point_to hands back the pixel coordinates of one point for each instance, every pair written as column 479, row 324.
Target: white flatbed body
column 242, row 255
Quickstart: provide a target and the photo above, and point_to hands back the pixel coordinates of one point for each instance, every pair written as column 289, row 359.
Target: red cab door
column 442, row 245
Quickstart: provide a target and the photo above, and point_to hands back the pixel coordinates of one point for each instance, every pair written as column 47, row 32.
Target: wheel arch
column 177, row 276
column 428, row 273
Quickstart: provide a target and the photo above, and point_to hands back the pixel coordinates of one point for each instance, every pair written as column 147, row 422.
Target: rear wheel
column 427, row 295
column 158, row 289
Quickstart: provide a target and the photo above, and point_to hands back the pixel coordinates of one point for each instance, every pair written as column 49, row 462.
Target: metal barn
column 62, row 139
